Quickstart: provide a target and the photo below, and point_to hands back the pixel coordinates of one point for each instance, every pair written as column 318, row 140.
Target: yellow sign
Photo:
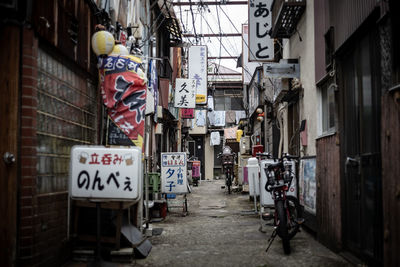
column 200, row 99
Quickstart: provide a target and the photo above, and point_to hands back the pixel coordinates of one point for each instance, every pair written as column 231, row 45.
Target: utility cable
column 194, row 26
column 226, row 48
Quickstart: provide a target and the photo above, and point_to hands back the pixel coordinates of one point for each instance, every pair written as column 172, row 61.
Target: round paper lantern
column 120, row 49
column 102, row 43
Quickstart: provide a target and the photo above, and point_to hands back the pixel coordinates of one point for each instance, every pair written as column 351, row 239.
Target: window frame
column 328, row 85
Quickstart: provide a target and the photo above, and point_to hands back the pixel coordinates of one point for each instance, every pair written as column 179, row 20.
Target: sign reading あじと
column 109, row 173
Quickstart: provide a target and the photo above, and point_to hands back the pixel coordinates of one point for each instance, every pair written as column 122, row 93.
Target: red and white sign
column 123, row 36
column 105, row 173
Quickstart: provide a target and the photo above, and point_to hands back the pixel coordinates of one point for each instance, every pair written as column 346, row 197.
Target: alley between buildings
column 223, row 230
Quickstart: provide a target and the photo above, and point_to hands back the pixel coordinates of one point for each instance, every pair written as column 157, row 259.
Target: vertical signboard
column 260, row 42
column 248, row 68
column 185, row 93
column 173, row 173
column 198, row 71
column 105, row 173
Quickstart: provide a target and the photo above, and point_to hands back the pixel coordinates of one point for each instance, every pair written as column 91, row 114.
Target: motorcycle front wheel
column 282, row 229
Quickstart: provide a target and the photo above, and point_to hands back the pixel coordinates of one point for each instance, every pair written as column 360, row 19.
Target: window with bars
column 66, row 116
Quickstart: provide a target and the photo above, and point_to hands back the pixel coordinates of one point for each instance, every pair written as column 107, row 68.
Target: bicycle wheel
column 295, row 212
column 282, row 229
column 228, row 181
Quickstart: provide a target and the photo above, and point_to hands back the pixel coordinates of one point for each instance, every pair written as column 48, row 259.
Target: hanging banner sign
column 173, row 173
column 185, row 93
column 198, row 71
column 124, row 94
column 105, row 173
column 261, row 44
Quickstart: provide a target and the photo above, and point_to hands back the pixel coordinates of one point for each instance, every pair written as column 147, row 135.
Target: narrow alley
column 222, row 230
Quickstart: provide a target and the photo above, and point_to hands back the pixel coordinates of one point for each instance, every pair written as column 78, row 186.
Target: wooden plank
column 329, row 192
column 9, row 107
column 390, row 180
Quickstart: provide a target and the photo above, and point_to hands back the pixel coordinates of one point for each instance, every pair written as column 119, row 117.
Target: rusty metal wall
column 346, row 16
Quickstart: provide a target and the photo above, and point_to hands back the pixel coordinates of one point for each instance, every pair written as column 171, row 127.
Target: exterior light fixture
column 102, row 41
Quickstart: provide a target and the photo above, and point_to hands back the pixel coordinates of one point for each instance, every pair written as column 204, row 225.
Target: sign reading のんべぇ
column 173, row 173
column 105, row 173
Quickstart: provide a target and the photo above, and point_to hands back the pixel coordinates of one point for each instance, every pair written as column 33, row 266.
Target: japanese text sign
column 173, row 173
column 198, row 71
column 261, row 44
column 185, row 93
column 105, row 173
column 187, row 113
column 124, row 94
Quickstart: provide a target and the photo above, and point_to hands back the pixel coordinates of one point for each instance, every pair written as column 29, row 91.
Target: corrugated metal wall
column 346, row 16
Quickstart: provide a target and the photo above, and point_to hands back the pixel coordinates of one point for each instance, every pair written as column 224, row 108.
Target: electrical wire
column 226, row 48
column 237, row 31
column 220, row 38
column 193, row 20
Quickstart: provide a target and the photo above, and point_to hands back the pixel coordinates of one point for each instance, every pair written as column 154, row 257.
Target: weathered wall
column 304, row 51
column 329, row 192
column 390, row 140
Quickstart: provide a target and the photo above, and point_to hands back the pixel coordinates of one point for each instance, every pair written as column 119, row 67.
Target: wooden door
column 361, row 152
column 9, row 110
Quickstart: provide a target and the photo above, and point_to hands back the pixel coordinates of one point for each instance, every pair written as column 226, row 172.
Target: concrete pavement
column 221, row 230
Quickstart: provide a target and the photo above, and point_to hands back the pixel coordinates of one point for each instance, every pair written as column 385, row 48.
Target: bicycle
column 288, row 213
column 228, row 161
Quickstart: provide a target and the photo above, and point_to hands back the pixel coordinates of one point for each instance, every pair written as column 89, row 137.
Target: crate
column 154, row 182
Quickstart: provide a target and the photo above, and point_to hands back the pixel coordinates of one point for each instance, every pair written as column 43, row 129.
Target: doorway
column 196, row 149
column 362, row 206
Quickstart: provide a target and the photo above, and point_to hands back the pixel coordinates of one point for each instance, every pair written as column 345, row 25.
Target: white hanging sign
column 198, row 71
column 173, row 173
column 105, row 173
column 185, row 93
column 260, row 42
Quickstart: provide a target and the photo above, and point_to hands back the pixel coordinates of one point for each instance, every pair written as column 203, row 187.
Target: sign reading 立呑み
column 261, row 45
column 185, row 93
column 198, row 71
column 105, row 173
column 173, row 173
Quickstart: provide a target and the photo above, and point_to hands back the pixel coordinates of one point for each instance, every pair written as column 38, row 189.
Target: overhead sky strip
column 210, row 3
column 224, row 45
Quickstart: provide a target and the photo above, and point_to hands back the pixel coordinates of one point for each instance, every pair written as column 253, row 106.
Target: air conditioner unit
column 245, row 145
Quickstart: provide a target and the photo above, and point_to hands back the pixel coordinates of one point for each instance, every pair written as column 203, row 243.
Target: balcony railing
column 285, row 16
